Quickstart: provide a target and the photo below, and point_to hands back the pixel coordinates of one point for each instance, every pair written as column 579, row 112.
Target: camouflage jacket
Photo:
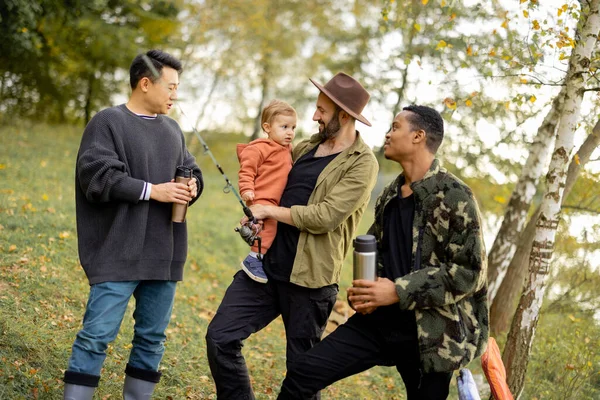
column 447, row 285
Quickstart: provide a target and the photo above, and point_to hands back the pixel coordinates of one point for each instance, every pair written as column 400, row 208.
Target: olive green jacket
column 447, row 285
column 328, row 222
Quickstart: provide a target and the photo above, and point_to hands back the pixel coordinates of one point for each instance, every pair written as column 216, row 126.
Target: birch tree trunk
column 520, row 337
column 503, row 306
column 504, row 246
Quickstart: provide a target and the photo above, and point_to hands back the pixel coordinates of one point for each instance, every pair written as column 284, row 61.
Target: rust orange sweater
column 264, row 167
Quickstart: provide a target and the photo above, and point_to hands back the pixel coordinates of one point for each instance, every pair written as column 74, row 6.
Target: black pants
column 248, row 307
column 359, row 344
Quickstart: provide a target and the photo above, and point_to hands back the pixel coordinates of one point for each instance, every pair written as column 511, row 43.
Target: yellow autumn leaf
column 64, row 235
column 468, row 103
column 523, row 80
column 469, row 50
column 523, row 1
column 443, row 3
column 505, row 24
column 526, row 13
column 2, row 166
column 492, row 52
column 532, row 99
column 417, row 27
column 441, row 44
column 450, row 103
column 45, row 197
column 43, row 163
column 577, row 160
column 562, row 56
column 536, row 24
column 424, row 2
column 12, row 247
column 563, row 9
column 500, row 199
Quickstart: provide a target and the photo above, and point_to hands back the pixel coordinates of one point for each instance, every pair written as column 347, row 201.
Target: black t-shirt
column 396, row 251
column 302, row 179
column 397, row 236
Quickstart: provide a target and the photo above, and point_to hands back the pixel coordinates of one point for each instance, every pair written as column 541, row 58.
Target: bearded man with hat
column 327, row 192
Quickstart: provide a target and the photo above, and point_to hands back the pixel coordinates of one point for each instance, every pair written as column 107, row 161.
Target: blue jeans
column 103, row 316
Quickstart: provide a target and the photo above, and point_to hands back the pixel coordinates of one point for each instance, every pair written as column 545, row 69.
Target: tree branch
column 539, row 81
column 580, row 208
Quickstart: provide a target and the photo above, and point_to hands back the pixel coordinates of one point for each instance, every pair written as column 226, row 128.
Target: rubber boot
column 137, row 389
column 78, row 392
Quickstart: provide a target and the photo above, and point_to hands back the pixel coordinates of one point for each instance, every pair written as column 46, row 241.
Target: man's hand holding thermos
column 180, row 191
column 368, row 291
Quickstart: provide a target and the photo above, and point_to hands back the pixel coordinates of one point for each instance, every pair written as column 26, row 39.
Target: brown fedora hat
column 348, row 93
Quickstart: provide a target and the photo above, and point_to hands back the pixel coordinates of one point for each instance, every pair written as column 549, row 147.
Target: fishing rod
column 249, row 232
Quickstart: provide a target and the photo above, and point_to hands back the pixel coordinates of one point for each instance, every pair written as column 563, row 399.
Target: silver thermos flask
column 365, row 257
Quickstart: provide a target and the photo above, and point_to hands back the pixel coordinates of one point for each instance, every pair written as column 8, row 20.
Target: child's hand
column 248, row 196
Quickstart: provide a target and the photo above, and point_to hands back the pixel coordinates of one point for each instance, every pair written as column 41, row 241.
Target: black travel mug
column 365, row 257
column 182, row 175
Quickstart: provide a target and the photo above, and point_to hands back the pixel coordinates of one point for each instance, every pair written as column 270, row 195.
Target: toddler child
column 264, row 167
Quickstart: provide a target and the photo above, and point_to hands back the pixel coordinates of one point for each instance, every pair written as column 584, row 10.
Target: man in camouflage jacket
column 427, row 313
column 447, row 286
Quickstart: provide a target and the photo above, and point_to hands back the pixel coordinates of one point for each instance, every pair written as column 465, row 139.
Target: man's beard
column 331, row 129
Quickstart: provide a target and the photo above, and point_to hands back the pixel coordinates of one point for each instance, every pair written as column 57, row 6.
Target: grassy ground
column 43, row 291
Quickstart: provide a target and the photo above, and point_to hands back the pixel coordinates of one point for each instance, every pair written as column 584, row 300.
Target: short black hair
column 140, row 69
column 429, row 120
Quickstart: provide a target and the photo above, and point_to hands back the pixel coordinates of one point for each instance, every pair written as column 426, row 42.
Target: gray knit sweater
column 121, row 238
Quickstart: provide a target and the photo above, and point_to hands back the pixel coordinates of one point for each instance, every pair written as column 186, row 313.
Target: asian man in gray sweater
column 128, row 244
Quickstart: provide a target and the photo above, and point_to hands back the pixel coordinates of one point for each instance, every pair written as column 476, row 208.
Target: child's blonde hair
column 275, row 108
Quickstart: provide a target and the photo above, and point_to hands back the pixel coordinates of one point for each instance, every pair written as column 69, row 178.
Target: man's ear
column 144, row 84
column 419, row 136
column 344, row 117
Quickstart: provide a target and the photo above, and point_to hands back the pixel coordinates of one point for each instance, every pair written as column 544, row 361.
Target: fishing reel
column 249, row 231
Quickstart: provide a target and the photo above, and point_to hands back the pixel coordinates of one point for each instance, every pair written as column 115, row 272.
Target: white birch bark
column 520, row 337
column 504, row 246
column 501, row 311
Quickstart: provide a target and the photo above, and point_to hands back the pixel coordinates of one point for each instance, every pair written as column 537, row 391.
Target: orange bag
column 493, row 368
